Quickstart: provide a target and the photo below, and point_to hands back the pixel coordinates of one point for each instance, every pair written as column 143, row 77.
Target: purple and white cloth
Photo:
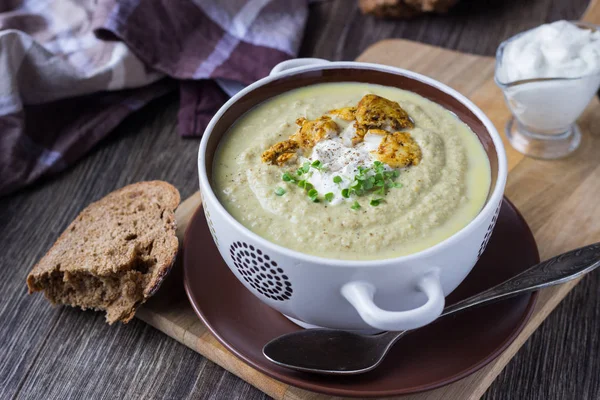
column 73, row 70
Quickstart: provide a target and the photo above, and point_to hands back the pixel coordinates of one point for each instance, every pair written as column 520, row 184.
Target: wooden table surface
column 57, row 353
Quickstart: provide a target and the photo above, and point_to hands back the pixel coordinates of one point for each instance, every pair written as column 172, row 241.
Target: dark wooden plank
column 560, row 360
column 59, row 352
column 133, row 361
column 336, row 30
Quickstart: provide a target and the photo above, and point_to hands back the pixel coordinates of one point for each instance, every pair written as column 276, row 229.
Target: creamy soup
column 388, row 173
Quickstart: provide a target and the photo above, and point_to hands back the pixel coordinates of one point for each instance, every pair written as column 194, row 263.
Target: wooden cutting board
column 559, row 200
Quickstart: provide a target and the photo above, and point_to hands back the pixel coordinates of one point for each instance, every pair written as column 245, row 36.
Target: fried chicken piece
column 378, row 112
column 375, row 112
column 311, row 132
column 359, row 134
column 398, row 150
column 379, row 132
column 346, row 113
column 280, row 153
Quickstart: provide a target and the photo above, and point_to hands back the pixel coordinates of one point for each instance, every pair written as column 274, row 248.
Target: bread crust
column 404, row 8
column 115, row 254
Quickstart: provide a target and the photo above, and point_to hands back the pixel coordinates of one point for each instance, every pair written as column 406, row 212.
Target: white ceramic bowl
column 393, row 294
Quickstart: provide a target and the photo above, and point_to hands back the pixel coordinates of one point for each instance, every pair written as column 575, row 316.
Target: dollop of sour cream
column 557, row 50
column 339, row 158
column 560, row 49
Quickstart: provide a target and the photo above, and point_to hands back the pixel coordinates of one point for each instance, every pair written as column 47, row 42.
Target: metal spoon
column 336, row 352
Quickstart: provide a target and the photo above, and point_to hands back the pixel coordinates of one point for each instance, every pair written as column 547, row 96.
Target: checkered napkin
column 73, row 70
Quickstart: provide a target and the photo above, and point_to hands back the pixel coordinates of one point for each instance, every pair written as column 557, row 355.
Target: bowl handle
column 360, row 294
column 296, row 63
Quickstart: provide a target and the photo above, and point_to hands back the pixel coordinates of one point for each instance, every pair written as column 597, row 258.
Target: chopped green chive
column 390, row 174
column 287, row 177
column 305, row 167
column 280, row 191
column 379, row 167
column 304, row 184
column 375, row 179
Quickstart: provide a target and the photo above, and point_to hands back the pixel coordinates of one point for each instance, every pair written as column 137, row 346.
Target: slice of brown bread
column 115, row 254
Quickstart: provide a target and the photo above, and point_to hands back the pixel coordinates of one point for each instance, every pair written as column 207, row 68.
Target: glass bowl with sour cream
column 548, row 76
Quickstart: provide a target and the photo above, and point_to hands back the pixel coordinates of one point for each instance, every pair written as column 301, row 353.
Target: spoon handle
column 556, row 270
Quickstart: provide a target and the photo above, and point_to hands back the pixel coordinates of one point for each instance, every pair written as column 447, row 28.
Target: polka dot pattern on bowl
column 488, row 234
column 261, row 272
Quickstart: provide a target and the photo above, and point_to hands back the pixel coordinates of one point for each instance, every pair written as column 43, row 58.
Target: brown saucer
column 436, row 355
